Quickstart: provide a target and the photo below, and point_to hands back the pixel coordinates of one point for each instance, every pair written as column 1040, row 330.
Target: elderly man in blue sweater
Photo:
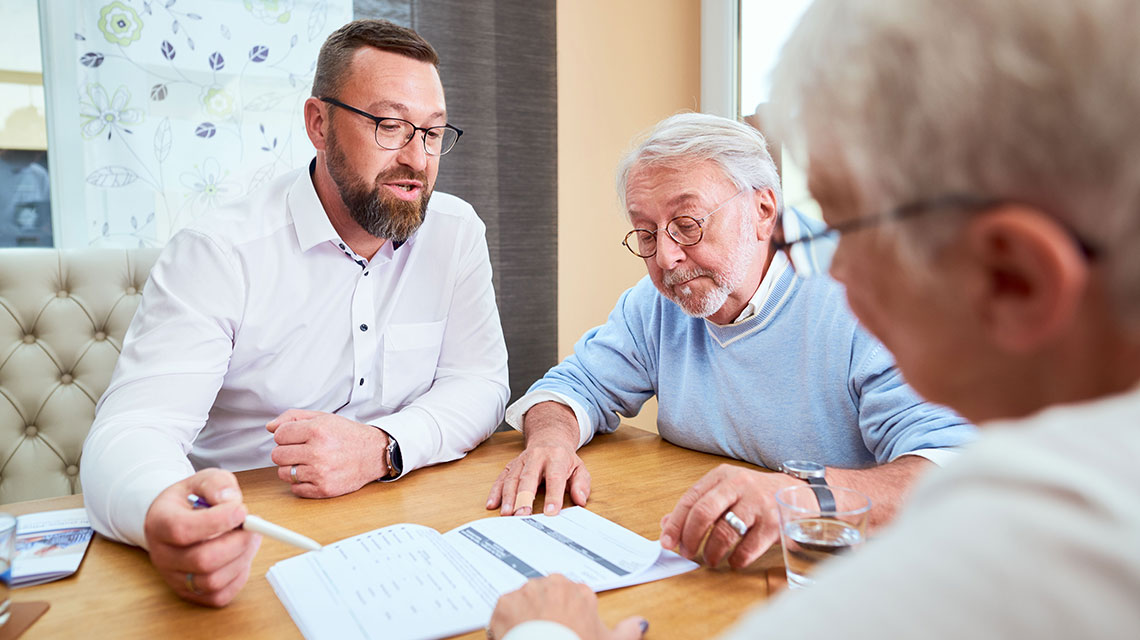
column 747, row 360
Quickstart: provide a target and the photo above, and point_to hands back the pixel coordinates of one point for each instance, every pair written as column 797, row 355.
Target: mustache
column 403, row 173
column 677, row 276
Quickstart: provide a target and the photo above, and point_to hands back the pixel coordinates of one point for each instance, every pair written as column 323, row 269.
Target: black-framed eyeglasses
column 952, row 202
column 396, row 133
column 685, row 231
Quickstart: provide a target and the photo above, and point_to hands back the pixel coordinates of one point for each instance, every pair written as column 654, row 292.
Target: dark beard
column 378, row 213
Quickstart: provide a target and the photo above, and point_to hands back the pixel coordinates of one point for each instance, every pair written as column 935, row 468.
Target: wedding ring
column 736, row 523
column 191, row 586
column 293, row 474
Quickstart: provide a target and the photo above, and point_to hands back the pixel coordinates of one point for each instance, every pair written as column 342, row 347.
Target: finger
column 216, row 486
column 309, row 490
column 220, row 588
column 531, row 475
column 203, row 557
column 705, row 513
column 721, row 539
column 496, row 494
column 289, row 454
column 671, row 533
column 290, row 416
column 580, row 486
column 510, row 487
column 555, row 489
column 293, row 432
column 631, row 628
column 182, row 527
column 285, row 473
column 761, row 536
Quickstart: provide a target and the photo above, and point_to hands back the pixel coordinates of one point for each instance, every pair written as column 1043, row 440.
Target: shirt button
column 364, row 327
column 365, row 273
column 362, row 382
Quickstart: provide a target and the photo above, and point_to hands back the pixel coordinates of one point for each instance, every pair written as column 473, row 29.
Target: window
column 25, row 202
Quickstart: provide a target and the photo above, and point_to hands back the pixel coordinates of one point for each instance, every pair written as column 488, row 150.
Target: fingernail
column 522, row 511
column 490, row 504
column 667, row 542
column 227, row 494
column 550, row 510
column 644, row 625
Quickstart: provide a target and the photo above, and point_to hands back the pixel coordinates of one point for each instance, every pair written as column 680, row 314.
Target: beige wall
column 622, row 66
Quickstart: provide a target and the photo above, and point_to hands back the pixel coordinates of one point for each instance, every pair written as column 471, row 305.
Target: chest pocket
column 411, row 353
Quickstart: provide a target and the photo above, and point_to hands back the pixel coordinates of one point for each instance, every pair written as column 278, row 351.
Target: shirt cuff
column 414, row 437
column 516, row 411
column 540, row 630
column 939, row 457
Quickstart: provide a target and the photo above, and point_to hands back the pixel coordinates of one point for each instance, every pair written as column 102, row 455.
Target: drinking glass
column 811, row 535
column 7, row 555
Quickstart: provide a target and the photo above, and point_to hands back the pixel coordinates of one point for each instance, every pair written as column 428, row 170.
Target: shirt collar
column 767, row 283
column 310, row 221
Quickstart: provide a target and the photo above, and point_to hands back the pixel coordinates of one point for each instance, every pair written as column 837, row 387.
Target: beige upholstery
column 62, row 319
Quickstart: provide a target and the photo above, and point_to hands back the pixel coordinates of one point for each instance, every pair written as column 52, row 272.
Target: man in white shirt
column 335, row 323
column 978, row 160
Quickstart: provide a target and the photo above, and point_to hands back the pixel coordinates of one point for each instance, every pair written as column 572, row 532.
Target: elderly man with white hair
column 979, row 160
column 747, row 360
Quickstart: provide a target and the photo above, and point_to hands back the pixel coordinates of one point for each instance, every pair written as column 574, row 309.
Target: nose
column 669, row 253
column 413, row 154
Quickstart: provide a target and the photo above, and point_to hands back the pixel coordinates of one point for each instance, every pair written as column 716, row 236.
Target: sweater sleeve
column 613, row 367
column 893, row 419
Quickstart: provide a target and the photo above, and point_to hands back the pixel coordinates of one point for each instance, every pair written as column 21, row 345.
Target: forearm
column 886, row 485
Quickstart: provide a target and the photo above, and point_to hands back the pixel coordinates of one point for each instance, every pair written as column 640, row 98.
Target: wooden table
column 637, row 478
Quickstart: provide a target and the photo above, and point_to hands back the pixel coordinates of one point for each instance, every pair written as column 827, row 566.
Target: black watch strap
column 822, row 494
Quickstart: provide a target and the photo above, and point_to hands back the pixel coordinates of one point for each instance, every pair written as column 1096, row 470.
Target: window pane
column 25, row 208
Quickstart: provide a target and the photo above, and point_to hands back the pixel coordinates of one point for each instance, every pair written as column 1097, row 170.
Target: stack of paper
column 409, row 581
column 49, row 546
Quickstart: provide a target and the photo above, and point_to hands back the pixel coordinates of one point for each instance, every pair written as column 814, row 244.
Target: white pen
column 264, row 527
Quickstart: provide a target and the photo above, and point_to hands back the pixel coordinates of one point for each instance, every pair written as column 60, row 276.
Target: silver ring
column 191, row 586
column 736, row 523
column 293, row 474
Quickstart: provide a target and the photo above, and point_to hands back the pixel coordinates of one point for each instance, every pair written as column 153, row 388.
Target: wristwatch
column 393, row 457
column 814, row 473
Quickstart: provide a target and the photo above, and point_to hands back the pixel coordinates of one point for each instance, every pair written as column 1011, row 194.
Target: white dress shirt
column 260, row 307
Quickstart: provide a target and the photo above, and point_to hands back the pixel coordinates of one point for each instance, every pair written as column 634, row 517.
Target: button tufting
column 131, row 291
column 29, row 339
column 66, row 378
column 61, row 294
column 100, row 335
column 72, row 469
column 31, row 431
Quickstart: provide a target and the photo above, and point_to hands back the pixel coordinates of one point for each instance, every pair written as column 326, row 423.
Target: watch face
column 803, row 469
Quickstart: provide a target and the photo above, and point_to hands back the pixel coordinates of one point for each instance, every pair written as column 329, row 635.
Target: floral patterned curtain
column 186, row 105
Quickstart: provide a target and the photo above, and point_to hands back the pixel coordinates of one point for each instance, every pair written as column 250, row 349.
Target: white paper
column 409, row 581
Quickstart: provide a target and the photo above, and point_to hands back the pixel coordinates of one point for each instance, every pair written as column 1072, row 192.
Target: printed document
column 409, row 581
column 49, row 546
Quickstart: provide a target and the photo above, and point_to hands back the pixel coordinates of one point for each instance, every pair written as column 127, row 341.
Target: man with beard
column 339, row 323
column 746, row 359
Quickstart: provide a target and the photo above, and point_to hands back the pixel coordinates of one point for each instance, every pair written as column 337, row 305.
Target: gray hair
column 1027, row 100
column 738, row 149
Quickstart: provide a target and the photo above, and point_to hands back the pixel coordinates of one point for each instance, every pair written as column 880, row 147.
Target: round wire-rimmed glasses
column 684, row 230
column 395, row 133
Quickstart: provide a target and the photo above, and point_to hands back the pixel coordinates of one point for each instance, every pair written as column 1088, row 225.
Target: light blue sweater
column 799, row 380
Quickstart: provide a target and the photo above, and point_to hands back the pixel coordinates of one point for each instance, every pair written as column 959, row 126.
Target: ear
column 764, row 210
column 1032, row 277
column 316, row 122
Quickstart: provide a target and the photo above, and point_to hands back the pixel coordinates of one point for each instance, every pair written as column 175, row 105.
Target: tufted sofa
column 62, row 319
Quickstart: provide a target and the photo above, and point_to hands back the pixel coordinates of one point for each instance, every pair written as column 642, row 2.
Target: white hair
column 686, row 138
column 1028, row 100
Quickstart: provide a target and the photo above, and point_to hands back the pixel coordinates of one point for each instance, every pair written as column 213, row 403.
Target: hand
column 549, row 455
column 557, row 599
column 333, row 455
column 201, row 553
column 700, row 512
